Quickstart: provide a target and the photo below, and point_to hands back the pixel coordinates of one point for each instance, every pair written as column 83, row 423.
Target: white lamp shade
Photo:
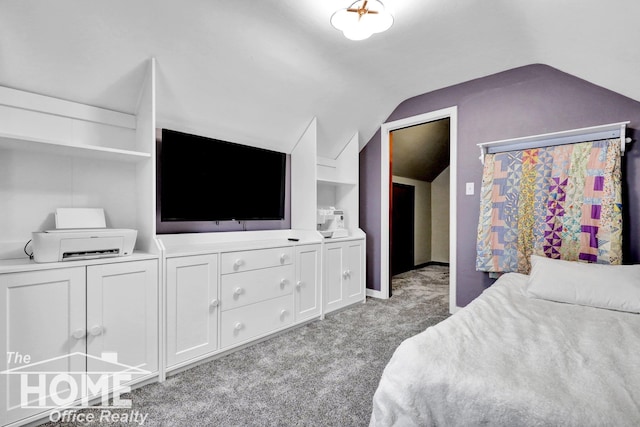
column 356, row 27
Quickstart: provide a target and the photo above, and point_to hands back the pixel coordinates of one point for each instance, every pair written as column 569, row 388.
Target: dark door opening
column 403, row 226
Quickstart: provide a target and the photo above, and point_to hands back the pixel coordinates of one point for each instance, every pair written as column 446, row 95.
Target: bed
column 514, row 358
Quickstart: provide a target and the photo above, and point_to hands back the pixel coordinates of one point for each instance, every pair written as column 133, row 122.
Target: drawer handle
column 299, row 284
column 96, row 330
column 214, row 303
column 79, row 334
column 238, row 326
column 237, row 292
column 283, row 283
column 238, row 263
column 283, row 258
column 283, row 314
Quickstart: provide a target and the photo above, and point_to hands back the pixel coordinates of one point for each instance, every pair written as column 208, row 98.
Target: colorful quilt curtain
column 562, row 202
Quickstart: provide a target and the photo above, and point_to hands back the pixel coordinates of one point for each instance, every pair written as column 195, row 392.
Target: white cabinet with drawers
column 223, row 292
column 256, row 293
column 222, row 295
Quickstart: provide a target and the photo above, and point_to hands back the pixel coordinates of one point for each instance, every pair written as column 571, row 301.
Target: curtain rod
column 593, row 133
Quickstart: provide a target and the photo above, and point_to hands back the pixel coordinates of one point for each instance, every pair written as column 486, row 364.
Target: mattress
column 508, row 359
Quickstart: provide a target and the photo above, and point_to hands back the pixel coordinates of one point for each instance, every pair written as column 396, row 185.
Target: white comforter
column 511, row 360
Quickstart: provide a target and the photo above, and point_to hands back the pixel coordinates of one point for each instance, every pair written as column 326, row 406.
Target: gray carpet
column 321, row 374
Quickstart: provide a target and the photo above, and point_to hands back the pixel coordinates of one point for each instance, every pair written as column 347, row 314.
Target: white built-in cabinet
column 343, row 274
column 56, row 153
column 64, row 320
column 180, row 298
column 225, row 298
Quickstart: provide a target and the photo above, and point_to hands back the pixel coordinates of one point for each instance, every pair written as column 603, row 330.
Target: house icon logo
column 72, row 380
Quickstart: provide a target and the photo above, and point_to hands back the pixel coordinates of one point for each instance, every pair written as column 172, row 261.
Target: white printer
column 81, row 233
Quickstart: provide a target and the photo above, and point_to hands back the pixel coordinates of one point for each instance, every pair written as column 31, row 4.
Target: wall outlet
column 470, row 190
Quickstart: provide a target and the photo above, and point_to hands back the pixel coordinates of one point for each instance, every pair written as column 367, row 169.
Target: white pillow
column 614, row 287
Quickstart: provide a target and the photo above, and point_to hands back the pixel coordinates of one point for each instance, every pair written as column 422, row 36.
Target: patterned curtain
column 561, row 202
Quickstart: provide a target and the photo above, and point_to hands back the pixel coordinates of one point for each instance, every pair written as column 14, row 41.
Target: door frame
column 385, row 157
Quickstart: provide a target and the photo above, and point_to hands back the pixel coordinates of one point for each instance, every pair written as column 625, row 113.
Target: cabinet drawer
column 254, row 286
column 244, row 323
column 233, row 262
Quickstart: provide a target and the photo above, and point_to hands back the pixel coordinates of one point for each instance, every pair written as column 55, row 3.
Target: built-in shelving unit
column 57, row 153
column 337, row 184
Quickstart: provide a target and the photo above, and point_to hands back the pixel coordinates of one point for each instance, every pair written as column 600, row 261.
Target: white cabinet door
column 343, row 278
column 354, row 266
column 122, row 317
column 43, row 323
column 333, row 276
column 307, row 282
column 192, row 307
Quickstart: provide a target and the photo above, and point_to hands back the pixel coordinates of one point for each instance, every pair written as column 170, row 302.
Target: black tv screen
column 204, row 179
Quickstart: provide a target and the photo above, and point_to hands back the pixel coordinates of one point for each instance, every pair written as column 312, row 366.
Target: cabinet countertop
column 207, row 248
column 26, row 264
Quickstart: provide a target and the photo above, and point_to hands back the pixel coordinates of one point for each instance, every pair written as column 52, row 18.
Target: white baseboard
column 375, row 294
column 455, row 309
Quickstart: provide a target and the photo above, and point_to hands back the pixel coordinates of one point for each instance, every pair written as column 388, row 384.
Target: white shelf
column 334, row 182
column 16, row 142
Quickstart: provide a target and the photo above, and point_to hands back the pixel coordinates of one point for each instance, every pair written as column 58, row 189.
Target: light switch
column 470, row 189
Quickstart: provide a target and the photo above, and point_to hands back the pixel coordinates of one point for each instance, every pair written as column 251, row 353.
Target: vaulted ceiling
column 258, row 71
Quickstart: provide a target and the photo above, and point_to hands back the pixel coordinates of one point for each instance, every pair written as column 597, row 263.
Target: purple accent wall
column 530, row 100
column 369, row 219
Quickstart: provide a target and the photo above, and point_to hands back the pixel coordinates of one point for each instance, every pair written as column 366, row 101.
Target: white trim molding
column 593, row 133
column 452, row 114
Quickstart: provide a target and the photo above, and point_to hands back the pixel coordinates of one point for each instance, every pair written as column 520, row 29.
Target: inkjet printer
column 81, row 234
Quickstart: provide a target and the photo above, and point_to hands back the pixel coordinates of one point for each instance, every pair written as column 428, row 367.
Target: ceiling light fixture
column 362, row 19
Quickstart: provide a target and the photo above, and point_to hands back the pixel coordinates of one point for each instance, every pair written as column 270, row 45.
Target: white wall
column 423, row 221
column 440, row 217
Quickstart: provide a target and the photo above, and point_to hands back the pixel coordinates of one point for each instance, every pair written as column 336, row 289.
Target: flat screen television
column 205, row 179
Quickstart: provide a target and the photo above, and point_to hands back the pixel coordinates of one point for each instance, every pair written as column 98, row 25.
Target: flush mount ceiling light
column 362, row 19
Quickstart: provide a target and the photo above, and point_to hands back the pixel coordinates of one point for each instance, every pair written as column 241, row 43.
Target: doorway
column 386, row 193
column 403, row 228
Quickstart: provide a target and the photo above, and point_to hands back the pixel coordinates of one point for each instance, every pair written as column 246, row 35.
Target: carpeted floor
column 321, row 374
